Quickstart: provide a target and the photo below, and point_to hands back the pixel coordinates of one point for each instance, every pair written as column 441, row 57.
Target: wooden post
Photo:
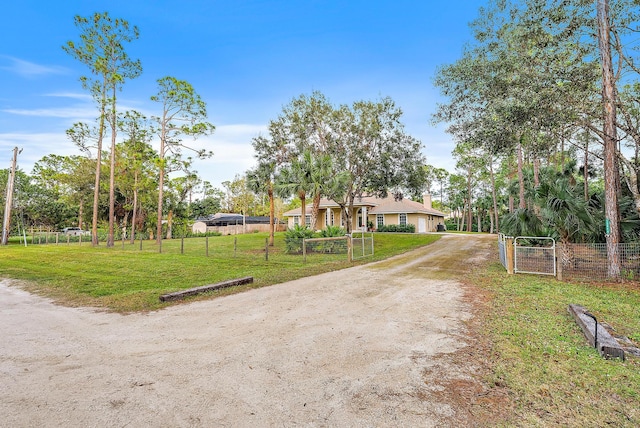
column 349, row 249
column 182, row 245
column 559, row 258
column 266, row 249
column 57, row 237
column 509, row 250
column 235, row 246
column 304, row 249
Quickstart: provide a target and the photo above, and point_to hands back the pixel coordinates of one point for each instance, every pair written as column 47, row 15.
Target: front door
column 422, row 225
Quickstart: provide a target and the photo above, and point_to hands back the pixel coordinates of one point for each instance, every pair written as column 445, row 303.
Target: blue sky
column 246, row 59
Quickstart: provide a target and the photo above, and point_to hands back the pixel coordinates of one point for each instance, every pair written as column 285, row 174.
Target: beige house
column 377, row 211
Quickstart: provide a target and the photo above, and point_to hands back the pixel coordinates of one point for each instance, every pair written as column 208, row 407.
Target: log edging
column 607, row 345
column 178, row 295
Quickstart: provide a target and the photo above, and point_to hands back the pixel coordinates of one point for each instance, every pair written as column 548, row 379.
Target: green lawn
column 539, row 353
column 126, row 279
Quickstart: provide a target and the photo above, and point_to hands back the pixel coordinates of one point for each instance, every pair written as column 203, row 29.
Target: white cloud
column 232, row 152
column 79, row 112
column 73, row 95
column 30, row 69
column 34, row 146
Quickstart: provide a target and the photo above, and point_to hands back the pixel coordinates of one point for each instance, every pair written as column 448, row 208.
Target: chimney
column 427, row 201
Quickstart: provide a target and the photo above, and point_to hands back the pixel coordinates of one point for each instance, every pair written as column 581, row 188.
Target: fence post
column 182, row 245
column 559, row 258
column 235, row 246
column 349, row 249
column 509, row 250
column 206, row 245
column 304, row 249
column 266, row 249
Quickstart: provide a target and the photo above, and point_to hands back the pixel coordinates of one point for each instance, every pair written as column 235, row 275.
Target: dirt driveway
column 352, row 348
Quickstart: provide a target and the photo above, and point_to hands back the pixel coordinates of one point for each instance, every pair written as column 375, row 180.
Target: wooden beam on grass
column 607, row 345
column 178, row 295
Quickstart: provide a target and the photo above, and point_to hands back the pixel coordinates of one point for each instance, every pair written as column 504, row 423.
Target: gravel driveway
column 348, row 348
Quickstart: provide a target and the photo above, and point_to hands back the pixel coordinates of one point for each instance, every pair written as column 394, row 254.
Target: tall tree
column 101, row 49
column 184, row 113
column 136, row 164
column 611, row 171
column 375, row 153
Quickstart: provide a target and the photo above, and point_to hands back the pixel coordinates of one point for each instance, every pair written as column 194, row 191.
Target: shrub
column 332, row 232
column 408, row 228
column 293, row 238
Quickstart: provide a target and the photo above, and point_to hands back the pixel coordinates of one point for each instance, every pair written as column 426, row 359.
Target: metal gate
column 535, row 255
column 361, row 245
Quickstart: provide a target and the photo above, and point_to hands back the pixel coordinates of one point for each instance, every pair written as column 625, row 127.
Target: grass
column 540, row 354
column 126, row 279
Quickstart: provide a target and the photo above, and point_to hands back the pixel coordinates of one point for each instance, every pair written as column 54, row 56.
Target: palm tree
column 261, row 180
column 296, row 180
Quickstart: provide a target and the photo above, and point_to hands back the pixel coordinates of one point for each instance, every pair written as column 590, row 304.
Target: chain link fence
column 590, row 261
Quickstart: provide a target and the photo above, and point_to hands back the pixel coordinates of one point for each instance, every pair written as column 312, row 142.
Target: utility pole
column 6, row 224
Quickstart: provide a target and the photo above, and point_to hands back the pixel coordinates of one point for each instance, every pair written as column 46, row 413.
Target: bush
column 408, row 228
column 451, row 224
column 332, row 232
column 293, row 238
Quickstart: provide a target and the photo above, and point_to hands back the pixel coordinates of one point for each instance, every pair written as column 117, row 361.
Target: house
column 234, row 224
column 377, row 211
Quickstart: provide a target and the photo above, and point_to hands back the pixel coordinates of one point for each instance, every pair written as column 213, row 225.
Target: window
column 403, row 219
column 296, row 220
column 307, row 220
column 332, row 218
column 380, row 220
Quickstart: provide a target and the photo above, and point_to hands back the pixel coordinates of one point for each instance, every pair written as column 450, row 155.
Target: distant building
column 234, row 224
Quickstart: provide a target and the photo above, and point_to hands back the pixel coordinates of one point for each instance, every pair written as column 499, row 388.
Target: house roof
column 227, row 219
column 388, row 205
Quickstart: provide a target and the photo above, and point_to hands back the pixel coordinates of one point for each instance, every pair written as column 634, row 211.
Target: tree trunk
column 80, row 213
column 96, row 190
column 170, row 224
column 522, row 203
column 271, row 215
column 495, row 199
column 303, row 208
column 491, row 225
column 585, row 173
column 135, row 207
column 112, row 174
column 314, row 212
column 469, row 214
column 611, row 172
